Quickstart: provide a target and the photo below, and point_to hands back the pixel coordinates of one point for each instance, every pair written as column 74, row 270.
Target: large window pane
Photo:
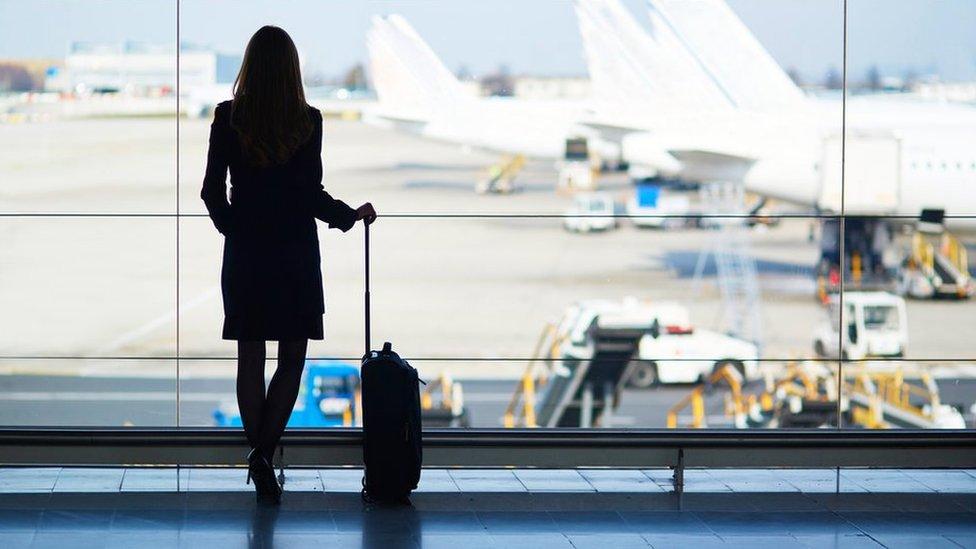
column 909, row 120
column 88, row 106
column 903, row 296
column 74, row 392
column 912, row 394
column 88, row 286
column 485, row 287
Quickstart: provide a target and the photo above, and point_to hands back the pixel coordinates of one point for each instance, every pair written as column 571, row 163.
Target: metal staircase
column 943, row 265
column 500, row 177
column 574, row 390
column 737, row 275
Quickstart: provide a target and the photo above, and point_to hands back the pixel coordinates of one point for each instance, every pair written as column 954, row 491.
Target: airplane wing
column 394, row 121
column 711, row 165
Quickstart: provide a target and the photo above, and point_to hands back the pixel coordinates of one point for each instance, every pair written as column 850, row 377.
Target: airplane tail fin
column 410, row 80
column 630, row 67
column 728, row 51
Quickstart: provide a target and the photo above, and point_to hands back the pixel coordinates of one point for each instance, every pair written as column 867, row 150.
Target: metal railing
column 548, row 448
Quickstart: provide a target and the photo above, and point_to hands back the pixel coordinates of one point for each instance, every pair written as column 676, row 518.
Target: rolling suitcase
column 392, row 452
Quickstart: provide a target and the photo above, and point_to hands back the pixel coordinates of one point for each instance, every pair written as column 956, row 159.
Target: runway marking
column 86, row 396
column 157, row 322
column 955, row 371
column 112, row 372
column 486, row 397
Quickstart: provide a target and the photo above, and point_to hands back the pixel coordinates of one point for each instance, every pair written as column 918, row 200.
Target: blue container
column 647, row 195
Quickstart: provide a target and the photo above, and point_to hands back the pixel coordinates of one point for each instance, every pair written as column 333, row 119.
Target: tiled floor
column 605, row 509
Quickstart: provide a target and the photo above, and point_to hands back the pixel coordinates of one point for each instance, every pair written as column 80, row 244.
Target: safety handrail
column 527, row 384
column 549, row 448
column 735, row 406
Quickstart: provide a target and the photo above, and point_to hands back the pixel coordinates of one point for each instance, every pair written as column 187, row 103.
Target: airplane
column 907, row 165
column 722, row 113
column 703, row 120
column 702, row 93
column 419, row 95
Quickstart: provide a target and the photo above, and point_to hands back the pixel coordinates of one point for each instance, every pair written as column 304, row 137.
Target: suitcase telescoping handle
column 366, row 295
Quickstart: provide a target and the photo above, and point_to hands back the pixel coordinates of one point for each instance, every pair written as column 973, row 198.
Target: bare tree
column 16, row 78
column 833, row 80
column 355, row 78
column 872, row 80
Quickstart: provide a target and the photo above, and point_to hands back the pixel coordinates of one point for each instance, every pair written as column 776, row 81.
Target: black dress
column 271, row 277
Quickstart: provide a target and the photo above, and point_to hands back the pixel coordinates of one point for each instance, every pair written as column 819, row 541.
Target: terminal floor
column 461, row 509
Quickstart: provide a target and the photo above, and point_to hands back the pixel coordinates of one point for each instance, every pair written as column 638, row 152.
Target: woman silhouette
column 271, row 141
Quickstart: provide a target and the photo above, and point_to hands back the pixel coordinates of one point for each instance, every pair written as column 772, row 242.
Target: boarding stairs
column 561, row 389
column 500, row 178
column 937, row 266
column 448, row 410
column 805, row 396
column 737, row 274
column 887, row 399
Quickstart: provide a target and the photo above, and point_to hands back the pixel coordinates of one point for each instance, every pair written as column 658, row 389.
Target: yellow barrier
column 734, row 406
column 445, row 384
column 525, row 390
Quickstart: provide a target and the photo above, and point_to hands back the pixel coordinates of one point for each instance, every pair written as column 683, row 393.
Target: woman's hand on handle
column 366, row 213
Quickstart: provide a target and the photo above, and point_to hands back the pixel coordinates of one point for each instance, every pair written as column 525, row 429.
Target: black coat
column 271, row 277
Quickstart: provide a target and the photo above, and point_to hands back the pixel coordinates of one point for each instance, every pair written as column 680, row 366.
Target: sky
column 529, row 36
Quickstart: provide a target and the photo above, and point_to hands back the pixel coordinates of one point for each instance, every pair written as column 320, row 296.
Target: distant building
column 140, row 68
column 472, row 88
column 498, row 84
column 20, row 75
column 551, row 87
column 961, row 92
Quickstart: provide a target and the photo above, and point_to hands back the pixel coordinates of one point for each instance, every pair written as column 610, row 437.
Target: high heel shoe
column 251, row 465
column 265, row 484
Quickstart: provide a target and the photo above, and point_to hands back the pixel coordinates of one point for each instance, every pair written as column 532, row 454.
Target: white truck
column 875, row 325
column 650, row 207
column 590, row 212
column 669, row 349
column 682, row 354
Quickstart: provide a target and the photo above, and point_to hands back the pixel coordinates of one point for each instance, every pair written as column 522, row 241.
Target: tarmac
column 95, row 260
